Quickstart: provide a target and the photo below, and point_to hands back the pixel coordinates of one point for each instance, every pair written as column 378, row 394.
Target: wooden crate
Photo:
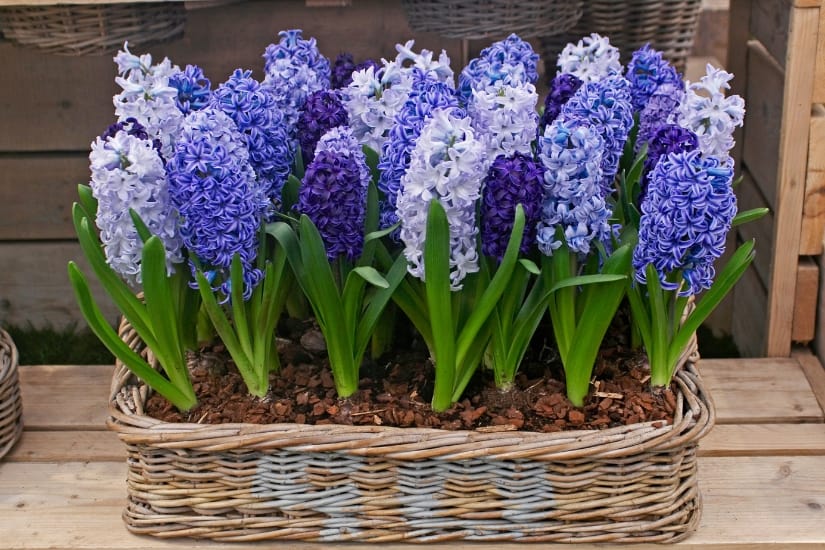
column 777, row 54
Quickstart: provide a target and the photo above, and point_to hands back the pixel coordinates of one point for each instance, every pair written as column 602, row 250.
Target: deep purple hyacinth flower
column 323, row 111
column 670, row 138
column 341, row 71
column 686, row 216
column 562, row 88
column 509, row 182
column 647, row 71
column 194, row 89
column 333, row 196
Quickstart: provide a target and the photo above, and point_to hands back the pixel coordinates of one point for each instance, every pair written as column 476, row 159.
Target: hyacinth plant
column 138, row 244
column 331, row 248
column 687, row 208
column 448, row 297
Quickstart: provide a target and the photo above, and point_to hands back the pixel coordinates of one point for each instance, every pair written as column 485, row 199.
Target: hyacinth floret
column 574, row 199
column 606, row 106
column 510, row 181
column 647, row 71
column 294, row 69
column 148, row 97
column 669, row 138
column 511, row 60
column 128, row 173
column 372, row 99
column 323, row 111
column 334, row 193
column 221, row 204
column 427, row 95
column 710, row 115
column 446, row 165
column 254, row 110
column 562, row 88
column 407, row 59
column 661, row 108
column 686, row 216
column 505, row 117
column 194, row 89
column 590, row 59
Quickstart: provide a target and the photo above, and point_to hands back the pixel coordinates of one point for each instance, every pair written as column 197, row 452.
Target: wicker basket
column 247, row 482
column 668, row 25
column 92, row 29
column 11, row 406
column 486, row 18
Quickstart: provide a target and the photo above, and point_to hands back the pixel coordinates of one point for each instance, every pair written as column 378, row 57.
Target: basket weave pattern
column 246, row 482
column 92, row 29
column 11, row 405
column 486, row 18
column 668, row 25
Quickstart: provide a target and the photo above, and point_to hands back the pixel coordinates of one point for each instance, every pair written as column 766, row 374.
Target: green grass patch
column 68, row 345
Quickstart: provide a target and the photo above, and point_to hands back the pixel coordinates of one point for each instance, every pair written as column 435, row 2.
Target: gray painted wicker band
column 486, row 18
column 11, row 405
column 92, row 29
column 245, row 482
column 668, row 25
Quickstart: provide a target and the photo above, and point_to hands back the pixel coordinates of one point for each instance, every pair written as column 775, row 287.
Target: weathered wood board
column 750, row 303
column 813, row 213
column 763, row 120
column 37, row 192
column 37, row 290
column 804, row 311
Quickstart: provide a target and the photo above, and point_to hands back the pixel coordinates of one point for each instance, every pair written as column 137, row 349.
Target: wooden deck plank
column 814, row 372
column 764, row 440
column 750, row 502
column 63, row 446
column 65, row 397
column 765, row 390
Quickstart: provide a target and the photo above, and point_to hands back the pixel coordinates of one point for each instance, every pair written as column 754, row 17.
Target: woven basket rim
column 694, row 417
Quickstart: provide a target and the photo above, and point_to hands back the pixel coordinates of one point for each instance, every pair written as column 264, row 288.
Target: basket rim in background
column 176, row 478
column 92, row 29
column 488, row 18
column 11, row 403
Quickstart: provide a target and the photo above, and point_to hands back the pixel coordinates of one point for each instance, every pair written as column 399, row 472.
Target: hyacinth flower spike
column 585, row 282
column 686, row 214
column 139, row 244
column 331, row 250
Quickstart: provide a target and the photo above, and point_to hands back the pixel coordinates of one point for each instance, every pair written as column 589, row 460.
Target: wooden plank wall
column 52, row 107
column 773, row 45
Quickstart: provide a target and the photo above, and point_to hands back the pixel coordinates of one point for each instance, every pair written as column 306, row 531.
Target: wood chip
column 611, row 395
column 494, row 429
